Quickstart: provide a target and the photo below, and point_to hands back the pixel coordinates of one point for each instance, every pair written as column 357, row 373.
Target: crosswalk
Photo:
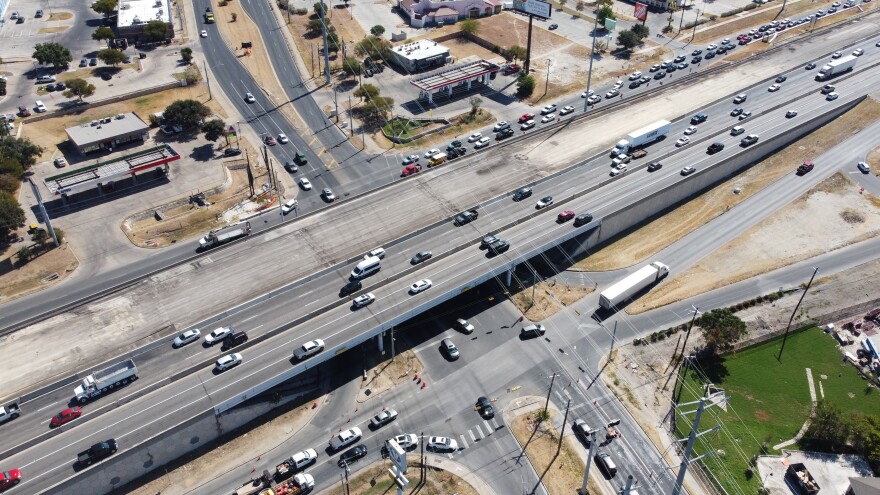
column 476, row 433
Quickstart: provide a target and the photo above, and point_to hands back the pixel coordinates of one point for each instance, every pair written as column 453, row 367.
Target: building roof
column 134, row 12
column 106, row 129
column 865, row 486
column 419, row 50
column 494, row 3
column 445, row 11
column 447, row 76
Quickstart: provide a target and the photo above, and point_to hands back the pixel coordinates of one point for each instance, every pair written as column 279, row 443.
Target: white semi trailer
column 632, row 284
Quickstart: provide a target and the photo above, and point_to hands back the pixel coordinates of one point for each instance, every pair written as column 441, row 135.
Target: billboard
column 641, row 12
column 534, row 7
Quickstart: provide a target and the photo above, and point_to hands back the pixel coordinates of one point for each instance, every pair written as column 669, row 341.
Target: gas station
column 458, row 75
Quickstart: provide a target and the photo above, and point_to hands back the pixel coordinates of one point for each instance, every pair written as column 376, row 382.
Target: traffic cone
column 424, row 384
column 349, row 420
column 253, row 469
column 416, row 377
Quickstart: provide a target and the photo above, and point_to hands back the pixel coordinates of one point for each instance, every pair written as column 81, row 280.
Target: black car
column 679, row 59
column 635, row 84
column 498, row 247
column 455, row 144
column 50, row 87
column 583, row 219
column 353, row 454
column 709, row 55
column 97, row 452
column 350, row 288
column 420, row 257
column 749, row 140
column 60, row 86
column 781, row 79
column 300, row 158
column 654, row 166
column 106, row 76
column 553, row 26
column 660, row 75
column 736, row 111
column 232, row 151
column 487, row 241
column 671, row 68
column 810, row 66
column 715, row 148
column 485, row 408
column 696, row 59
column 699, row 118
column 504, row 133
column 93, row 62
column 522, row 194
column 466, row 217
column 697, row 52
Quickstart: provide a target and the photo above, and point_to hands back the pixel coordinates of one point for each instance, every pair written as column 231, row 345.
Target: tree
column 22, row 150
column 40, row 236
column 366, row 92
column 469, row 26
column 105, row 7
column 641, row 31
column 188, row 114
column 24, row 255
column 111, row 56
column 186, row 54
column 11, row 214
column 580, row 6
column 352, row 66
column 515, row 53
column 317, row 8
column 606, row 3
column 156, row 30
column 52, row 53
column 721, row 329
column 525, row 86
column 377, row 30
column 79, row 88
column 9, row 183
column 103, row 33
column 314, row 26
column 333, row 42
column 214, row 129
column 374, row 47
column 628, row 39
column 605, row 12
column 562, row 4
column 475, row 102
column 375, row 109
column 234, row 17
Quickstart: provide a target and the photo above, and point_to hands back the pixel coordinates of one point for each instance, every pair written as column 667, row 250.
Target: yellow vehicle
column 436, row 159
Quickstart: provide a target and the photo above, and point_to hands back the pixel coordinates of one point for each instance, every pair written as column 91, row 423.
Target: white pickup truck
column 9, row 411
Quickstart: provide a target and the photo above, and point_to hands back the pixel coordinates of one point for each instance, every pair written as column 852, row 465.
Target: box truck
column 626, row 288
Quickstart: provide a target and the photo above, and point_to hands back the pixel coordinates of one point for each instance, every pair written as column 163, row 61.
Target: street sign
column 641, row 12
column 610, row 24
column 534, row 7
column 396, row 454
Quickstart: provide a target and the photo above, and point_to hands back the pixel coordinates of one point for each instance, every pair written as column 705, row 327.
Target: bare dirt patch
column 640, row 244
column 60, row 16
column 309, row 46
column 55, row 29
column 549, row 298
column 375, row 481
column 386, row 374
column 48, row 269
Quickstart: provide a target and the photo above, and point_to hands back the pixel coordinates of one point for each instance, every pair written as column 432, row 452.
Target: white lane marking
column 489, row 428
column 480, row 431
column 473, row 438
column 463, row 441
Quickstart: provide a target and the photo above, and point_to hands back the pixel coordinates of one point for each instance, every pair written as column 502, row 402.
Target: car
column 715, row 147
column 736, row 112
column 773, row 88
column 654, row 68
column 487, row 241
column 696, row 59
column 711, row 47
column 544, row 202
column 328, row 195
column 654, row 166
column 420, row 257
column 548, row 109
column 781, row 79
column 289, row 206
column 618, row 84
column 304, row 458
column 682, row 141
column 635, row 75
column 827, row 89
column 363, row 300
column 790, row 114
column 65, row 416
column 217, row 335
column 583, row 219
column 534, row 330
column 551, row 27
column 671, row 68
column 746, row 114
column 527, row 125
column 810, row 66
column 349, row 288
column 93, row 62
column 411, row 159
column 308, row 349
column 485, row 408
column 749, row 140
column 50, row 87
column 696, row 52
column 593, row 99
column 621, row 158
column 187, row 337
column 858, row 52
column 465, row 217
column 831, row 96
column 505, row 133
column 300, row 158
column 565, row 216
column 587, row 94
column 645, row 79
column 383, row 418
column 566, row 110
column 740, row 98
column 690, row 130
column 291, row 167
column 407, row 441
column 683, row 66
column 270, row 140
column 497, row 247
column 248, row 97
column 687, row 170
column 680, row 58
column 709, row 55
column 24, row 112
column 352, row 455
column 737, row 130
column 699, row 118
column 482, row 143
column 232, row 151
column 522, row 193
column 475, row 137
column 582, row 429
column 444, row 444
column 512, row 69
column 863, row 168
column 526, row 117
column 345, row 438
column 744, row 41
column 449, row 348
column 618, row 169
column 659, row 75
column 464, row 326
column 835, row 54
column 548, row 118
column 420, row 286
column 305, row 184
column 500, row 126
column 282, row 138
column 432, row 152
column 612, row 94
column 106, row 76
column 60, row 162
column 9, row 478
column 635, row 84
column 204, row 33
column 804, row 168
column 228, row 361
column 83, row 62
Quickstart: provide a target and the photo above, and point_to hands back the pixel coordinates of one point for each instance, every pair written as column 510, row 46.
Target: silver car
column 187, row 337
column 309, row 349
column 364, row 300
column 449, row 348
column 228, row 361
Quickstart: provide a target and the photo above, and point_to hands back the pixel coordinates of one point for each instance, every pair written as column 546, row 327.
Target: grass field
column 770, row 400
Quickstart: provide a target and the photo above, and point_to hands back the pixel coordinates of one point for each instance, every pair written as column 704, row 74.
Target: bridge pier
column 509, row 278
column 380, row 339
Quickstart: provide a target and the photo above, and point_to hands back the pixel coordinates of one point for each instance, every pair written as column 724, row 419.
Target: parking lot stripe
column 463, row 441
column 473, row 438
column 480, row 431
column 489, row 428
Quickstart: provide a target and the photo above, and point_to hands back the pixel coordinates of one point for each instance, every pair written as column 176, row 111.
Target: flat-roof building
column 133, row 16
column 108, row 133
column 419, row 56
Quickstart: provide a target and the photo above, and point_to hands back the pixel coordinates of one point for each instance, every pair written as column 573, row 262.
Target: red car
column 806, row 167
column 65, row 416
column 526, row 117
column 410, row 169
column 565, row 216
column 270, row 141
column 24, row 112
column 9, row 478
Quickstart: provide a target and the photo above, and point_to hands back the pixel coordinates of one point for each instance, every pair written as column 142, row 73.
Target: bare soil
column 376, row 481
column 550, row 297
column 638, row 245
column 45, row 270
column 386, row 374
column 309, row 46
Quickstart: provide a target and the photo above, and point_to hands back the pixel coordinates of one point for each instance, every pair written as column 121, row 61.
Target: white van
column 366, row 267
column 40, row 107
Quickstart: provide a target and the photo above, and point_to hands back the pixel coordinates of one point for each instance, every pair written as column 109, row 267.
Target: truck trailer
column 835, row 67
column 104, row 380
column 215, row 238
column 632, row 284
column 633, row 142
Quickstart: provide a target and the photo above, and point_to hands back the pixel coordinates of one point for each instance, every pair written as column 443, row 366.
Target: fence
column 106, row 101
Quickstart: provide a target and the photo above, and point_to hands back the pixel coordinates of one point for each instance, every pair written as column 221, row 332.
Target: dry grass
column 645, row 241
column 309, row 46
column 549, row 298
column 386, row 374
column 458, row 129
column 37, row 274
column 375, row 481
column 561, row 471
column 60, row 16
column 56, row 29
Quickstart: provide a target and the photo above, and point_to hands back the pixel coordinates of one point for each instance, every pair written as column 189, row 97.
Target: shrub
column 713, row 17
column 661, row 336
column 301, row 11
column 670, row 332
column 750, row 6
column 637, row 341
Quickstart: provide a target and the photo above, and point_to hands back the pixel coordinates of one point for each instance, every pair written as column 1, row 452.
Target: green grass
column 402, row 128
column 770, row 400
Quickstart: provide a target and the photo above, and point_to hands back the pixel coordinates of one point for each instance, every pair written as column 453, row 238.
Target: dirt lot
column 375, row 481
column 549, row 298
column 47, row 269
column 386, row 374
column 642, row 243
column 308, row 46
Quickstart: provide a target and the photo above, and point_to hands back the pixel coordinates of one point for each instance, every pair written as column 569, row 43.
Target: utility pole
column 552, row 379
column 392, row 344
column 207, row 79
column 688, row 334
column 787, row 328
column 692, row 437
column 613, row 336
column 586, row 102
column 326, row 48
column 589, row 462
column 564, row 422
column 350, row 123
column 629, row 484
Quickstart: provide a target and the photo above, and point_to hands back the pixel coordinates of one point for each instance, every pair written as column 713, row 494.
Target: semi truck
column 104, row 380
column 9, row 411
column 298, row 485
column 835, row 67
column 633, row 143
column 216, row 238
column 632, row 284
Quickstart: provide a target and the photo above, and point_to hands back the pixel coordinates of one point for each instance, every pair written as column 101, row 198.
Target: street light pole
column 592, row 54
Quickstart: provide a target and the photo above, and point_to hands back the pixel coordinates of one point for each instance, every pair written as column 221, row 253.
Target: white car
column 303, row 458
column 621, row 158
column 249, row 98
column 548, row 118
column 593, row 99
column 544, row 202
column 682, row 141
column 618, row 169
column 364, row 300
column 587, row 94
column 500, row 126
column 442, row 443
column 344, row 438
column 836, row 55
column 690, row 130
column 204, row 34
column 289, row 206
column 831, row 96
column 858, row 52
column 611, row 94
column 187, row 337
column 475, row 137
column 282, row 138
column 711, row 47
column 228, row 361
column 687, row 170
column 407, row 441
column 309, row 349
column 305, row 184
column 618, row 84
column 740, row 98
column 421, row 285
column 527, row 125
column 328, row 194
column 431, row 153
column 635, row 75
column 566, row 110
column 773, row 88
column 548, row 109
column 218, row 335
column 481, row 143
column 864, row 168
column 464, row 326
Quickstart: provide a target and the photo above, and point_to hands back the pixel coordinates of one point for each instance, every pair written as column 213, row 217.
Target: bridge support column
column 134, row 179
column 380, row 339
column 469, row 85
column 509, row 277
column 449, row 90
column 431, row 97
